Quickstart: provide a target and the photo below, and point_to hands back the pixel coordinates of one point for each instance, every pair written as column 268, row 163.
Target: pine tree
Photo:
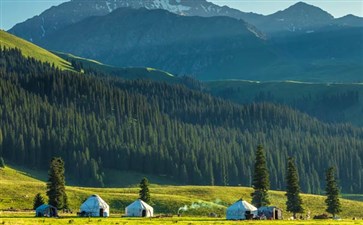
column 144, row 192
column 2, row 163
column 56, row 184
column 38, row 201
column 294, row 201
column 261, row 183
column 332, row 193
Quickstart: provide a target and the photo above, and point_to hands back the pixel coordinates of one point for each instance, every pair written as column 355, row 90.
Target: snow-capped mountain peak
column 76, row 10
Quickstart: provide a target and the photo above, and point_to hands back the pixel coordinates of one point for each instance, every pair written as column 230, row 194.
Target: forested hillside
column 98, row 122
column 333, row 103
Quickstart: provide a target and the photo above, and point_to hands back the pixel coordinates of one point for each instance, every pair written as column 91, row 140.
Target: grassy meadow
column 174, row 220
column 30, row 50
column 131, row 73
column 17, row 190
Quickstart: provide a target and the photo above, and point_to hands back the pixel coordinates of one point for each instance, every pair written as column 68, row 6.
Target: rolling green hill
column 330, row 102
column 64, row 61
column 17, row 190
column 126, row 73
column 30, row 50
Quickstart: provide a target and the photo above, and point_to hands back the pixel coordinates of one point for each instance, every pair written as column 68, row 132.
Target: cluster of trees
column 294, row 203
column 101, row 122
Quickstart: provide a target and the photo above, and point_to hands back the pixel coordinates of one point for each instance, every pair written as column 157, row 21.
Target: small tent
column 241, row 210
column 270, row 213
column 139, row 209
column 46, row 210
column 95, row 206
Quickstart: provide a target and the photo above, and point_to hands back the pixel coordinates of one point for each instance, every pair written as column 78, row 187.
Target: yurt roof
column 139, row 204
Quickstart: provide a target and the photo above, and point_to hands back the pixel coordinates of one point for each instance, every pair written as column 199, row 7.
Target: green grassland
column 30, row 50
column 175, row 220
column 17, row 191
column 130, row 73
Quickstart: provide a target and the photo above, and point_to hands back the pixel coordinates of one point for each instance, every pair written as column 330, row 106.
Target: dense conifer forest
column 97, row 122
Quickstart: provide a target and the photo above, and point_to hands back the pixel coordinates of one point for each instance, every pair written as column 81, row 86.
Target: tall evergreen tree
column 294, row 201
column 332, row 192
column 38, row 201
column 144, row 193
column 261, row 182
column 56, row 184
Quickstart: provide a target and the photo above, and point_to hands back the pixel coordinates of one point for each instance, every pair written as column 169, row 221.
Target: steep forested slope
column 98, row 123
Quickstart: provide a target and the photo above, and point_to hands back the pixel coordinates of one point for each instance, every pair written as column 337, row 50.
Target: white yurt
column 241, row 210
column 139, row 209
column 95, row 206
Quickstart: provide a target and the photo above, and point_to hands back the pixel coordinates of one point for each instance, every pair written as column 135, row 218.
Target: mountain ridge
column 199, row 46
column 58, row 17
column 74, row 11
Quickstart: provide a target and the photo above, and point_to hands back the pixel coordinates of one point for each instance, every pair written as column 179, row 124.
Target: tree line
column 97, row 122
column 294, row 203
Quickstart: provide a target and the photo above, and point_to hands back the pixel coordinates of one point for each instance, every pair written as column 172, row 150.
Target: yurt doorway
column 276, row 214
column 101, row 212
column 248, row 215
column 144, row 213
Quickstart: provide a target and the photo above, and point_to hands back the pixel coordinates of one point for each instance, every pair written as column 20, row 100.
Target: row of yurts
column 95, row 206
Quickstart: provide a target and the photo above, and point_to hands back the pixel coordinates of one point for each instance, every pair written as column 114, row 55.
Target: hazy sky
column 15, row 11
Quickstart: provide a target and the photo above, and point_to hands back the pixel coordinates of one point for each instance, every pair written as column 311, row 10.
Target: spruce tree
column 294, row 201
column 144, row 192
column 332, row 192
column 56, row 184
column 261, row 183
column 38, row 201
column 2, row 163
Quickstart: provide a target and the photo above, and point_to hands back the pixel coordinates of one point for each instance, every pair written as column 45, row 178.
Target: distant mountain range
column 299, row 17
column 302, row 42
column 58, row 17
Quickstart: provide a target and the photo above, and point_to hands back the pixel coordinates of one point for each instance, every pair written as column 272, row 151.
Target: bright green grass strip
column 175, row 220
